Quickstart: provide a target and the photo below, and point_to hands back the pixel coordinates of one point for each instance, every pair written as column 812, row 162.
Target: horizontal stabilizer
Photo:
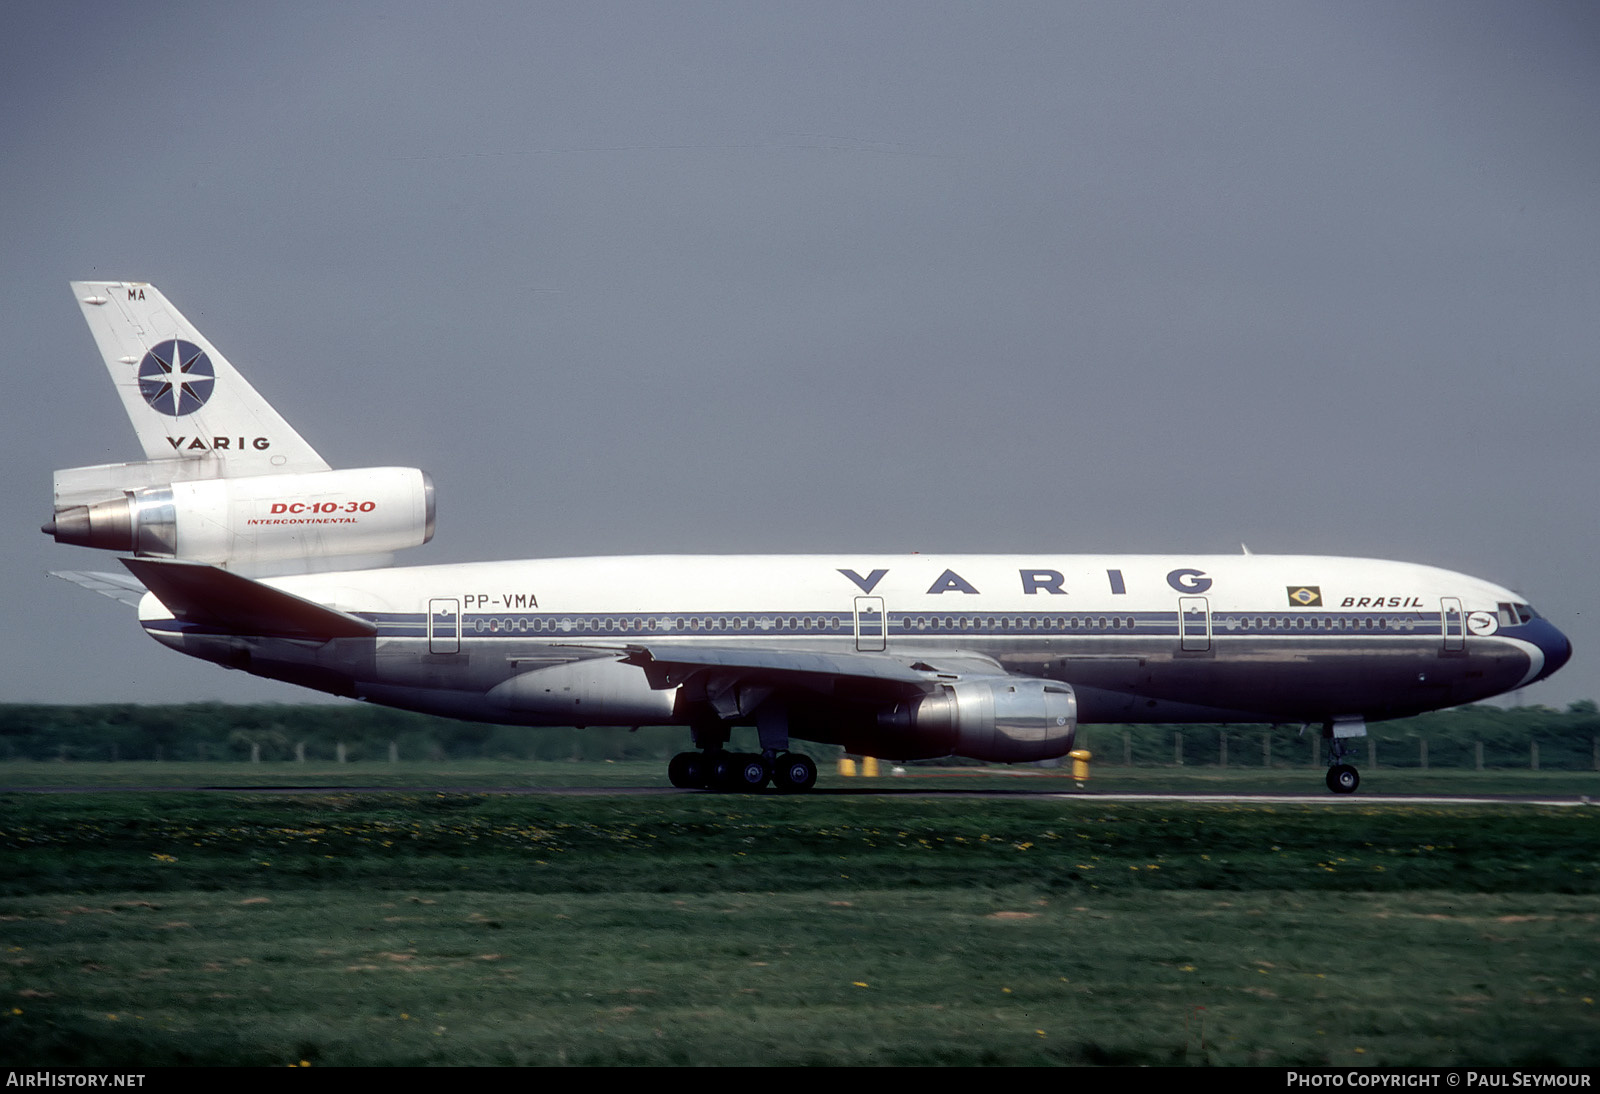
column 208, row 596
column 117, row 586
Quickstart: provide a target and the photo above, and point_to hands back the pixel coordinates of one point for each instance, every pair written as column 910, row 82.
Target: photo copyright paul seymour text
column 1452, row 1078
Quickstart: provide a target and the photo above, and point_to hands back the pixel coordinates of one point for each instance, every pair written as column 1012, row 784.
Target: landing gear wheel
column 794, row 773
column 1343, row 779
column 687, row 770
column 751, row 775
column 722, row 770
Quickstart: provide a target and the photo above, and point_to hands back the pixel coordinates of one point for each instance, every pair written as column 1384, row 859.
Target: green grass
column 970, row 976
column 469, row 928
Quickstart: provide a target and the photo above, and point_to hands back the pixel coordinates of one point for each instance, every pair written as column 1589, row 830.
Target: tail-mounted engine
column 1010, row 719
column 255, row 519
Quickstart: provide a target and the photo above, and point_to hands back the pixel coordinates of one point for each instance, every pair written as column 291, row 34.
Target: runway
column 1084, row 795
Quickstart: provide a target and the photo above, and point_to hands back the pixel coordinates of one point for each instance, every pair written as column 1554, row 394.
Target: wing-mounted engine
column 243, row 522
column 1009, row 719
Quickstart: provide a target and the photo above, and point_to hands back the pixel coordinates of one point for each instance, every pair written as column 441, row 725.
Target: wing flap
column 209, row 596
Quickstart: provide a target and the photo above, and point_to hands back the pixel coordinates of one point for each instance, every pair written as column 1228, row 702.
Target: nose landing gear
column 1342, row 777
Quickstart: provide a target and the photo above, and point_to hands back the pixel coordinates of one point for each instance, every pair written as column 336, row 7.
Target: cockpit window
column 1512, row 614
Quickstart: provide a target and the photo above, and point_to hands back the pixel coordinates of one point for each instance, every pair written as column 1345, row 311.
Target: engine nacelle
column 263, row 518
column 1010, row 719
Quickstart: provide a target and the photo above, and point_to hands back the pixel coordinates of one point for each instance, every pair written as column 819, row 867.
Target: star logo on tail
column 176, row 377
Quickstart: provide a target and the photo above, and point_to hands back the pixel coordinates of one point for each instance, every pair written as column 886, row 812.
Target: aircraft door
column 1452, row 624
column 872, row 624
column 1194, row 623
column 444, row 625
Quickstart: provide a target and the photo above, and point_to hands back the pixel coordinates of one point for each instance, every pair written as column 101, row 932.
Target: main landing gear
column 715, row 768
column 790, row 772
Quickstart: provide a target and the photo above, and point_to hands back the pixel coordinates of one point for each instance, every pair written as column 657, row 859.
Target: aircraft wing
column 756, row 660
column 119, row 587
column 209, row 596
column 727, row 672
column 762, row 661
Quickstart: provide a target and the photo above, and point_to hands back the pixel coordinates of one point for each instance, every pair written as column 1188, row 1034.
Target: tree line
column 1463, row 737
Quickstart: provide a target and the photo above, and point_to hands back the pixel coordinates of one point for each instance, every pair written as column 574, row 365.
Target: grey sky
column 729, row 277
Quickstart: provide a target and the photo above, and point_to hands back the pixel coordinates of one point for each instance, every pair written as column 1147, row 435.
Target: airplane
column 244, row 548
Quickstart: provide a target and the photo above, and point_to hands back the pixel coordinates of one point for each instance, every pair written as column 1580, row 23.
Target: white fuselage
column 1167, row 638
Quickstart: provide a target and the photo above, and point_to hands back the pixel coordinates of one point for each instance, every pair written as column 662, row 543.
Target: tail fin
column 185, row 400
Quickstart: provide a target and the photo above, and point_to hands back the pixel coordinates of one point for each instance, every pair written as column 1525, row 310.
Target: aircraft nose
column 1555, row 646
